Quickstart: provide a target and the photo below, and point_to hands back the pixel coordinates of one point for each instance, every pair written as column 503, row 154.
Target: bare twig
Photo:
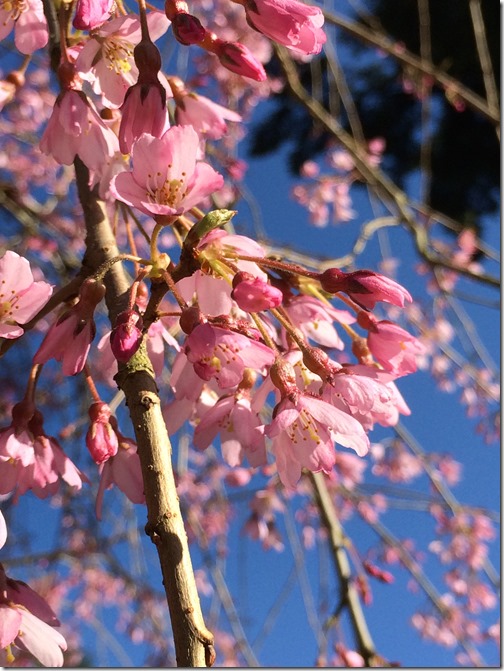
column 349, row 596
column 391, row 195
column 386, row 44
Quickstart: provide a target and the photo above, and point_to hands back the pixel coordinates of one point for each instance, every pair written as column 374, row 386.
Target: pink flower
column 224, row 355
column 26, row 620
column 365, row 287
column 101, row 439
column 393, row 347
column 69, row 338
column 106, row 59
column 90, row 14
column 27, row 632
column 315, row 319
column 303, row 430
column 30, row 459
column 29, row 23
column 288, row 22
column 20, row 297
column 143, row 112
column 206, row 117
column 123, row 470
column 166, row 178
column 76, row 128
column 254, row 294
column 240, row 430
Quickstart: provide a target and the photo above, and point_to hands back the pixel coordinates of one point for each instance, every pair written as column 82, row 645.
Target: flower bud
column 190, row 318
column 188, row 29
column 101, row 439
column 237, row 58
column 253, row 294
column 126, row 335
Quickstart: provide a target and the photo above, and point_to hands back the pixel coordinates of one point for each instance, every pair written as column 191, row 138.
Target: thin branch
column 484, row 57
column 389, row 46
column 365, row 645
column 391, row 195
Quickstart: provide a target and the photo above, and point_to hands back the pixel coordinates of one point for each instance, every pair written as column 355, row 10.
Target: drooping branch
column 349, row 595
column 391, row 195
column 384, row 43
column 165, row 526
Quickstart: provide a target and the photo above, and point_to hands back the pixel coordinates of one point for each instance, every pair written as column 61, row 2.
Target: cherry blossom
column 106, row 60
column 288, row 22
column 166, row 178
column 76, row 128
column 303, row 431
column 29, row 23
column 90, row 14
column 69, row 338
column 122, row 470
column 365, row 287
column 240, row 429
column 20, row 296
column 206, row 117
column 26, row 620
column 221, row 354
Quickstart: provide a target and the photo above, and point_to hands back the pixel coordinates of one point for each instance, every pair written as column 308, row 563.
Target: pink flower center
column 170, row 193
column 16, row 7
column 8, row 305
column 304, row 429
column 119, row 54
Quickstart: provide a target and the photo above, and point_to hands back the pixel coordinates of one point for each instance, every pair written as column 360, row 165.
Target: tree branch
column 391, row 195
column 386, row 44
column 165, row 526
column 349, row 595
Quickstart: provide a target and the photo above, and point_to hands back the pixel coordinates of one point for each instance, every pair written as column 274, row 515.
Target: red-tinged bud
column 253, row 294
column 91, row 293
column 92, row 13
column 317, row 361
column 365, row 287
column 283, row 376
column 188, row 29
column 190, row 318
column 174, row 7
column 126, row 335
column 376, row 572
column 237, row 58
column 101, row 439
column 367, row 321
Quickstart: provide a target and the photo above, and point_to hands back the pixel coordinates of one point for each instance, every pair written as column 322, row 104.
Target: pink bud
column 187, row 29
column 253, row 294
column 101, row 439
column 237, row 58
column 92, row 13
column 126, row 335
column 365, row 287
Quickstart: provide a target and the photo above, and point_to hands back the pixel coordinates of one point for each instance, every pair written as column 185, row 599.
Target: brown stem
column 349, row 595
column 165, row 526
